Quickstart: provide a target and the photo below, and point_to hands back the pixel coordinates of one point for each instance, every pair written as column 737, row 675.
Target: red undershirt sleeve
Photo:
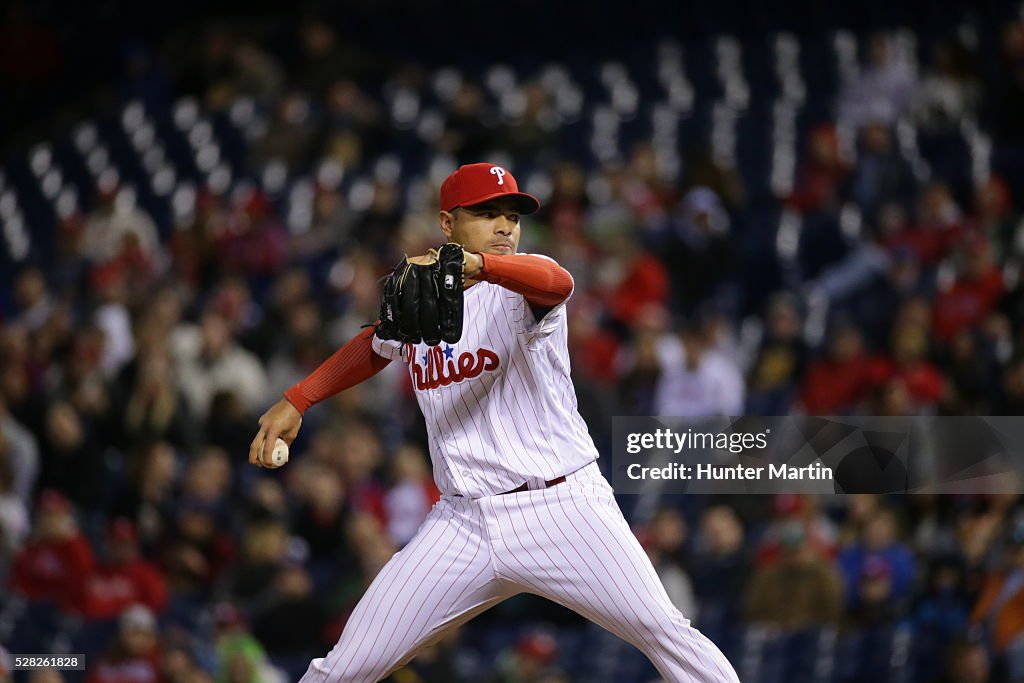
column 353, row 363
column 540, row 280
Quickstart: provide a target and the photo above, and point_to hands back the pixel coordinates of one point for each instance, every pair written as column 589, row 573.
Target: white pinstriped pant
column 568, row 543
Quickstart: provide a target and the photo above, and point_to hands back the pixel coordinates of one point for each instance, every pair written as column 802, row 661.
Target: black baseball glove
column 422, row 299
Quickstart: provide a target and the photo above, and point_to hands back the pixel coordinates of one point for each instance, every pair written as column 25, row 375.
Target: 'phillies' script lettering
column 440, row 372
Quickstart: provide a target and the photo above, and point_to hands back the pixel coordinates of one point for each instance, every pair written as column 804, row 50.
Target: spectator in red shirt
column 821, row 175
column 593, row 348
column 973, row 295
column 910, row 368
column 938, row 229
column 53, row 562
column 135, row 655
column 838, row 382
column 644, row 282
column 255, row 242
column 123, row 580
column 412, row 493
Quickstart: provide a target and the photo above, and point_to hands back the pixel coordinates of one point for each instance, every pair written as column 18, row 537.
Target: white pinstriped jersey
column 499, row 405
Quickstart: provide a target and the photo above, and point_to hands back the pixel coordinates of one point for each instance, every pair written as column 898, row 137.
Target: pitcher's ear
column 447, row 221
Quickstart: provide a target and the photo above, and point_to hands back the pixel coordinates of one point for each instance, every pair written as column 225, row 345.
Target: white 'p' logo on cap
column 500, row 172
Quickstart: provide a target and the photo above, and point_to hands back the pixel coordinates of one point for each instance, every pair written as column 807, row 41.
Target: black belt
column 526, row 487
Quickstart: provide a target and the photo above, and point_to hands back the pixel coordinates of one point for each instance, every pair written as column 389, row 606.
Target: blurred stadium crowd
column 826, row 224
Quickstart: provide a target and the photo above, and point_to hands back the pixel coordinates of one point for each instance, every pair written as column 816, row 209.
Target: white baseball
column 279, row 456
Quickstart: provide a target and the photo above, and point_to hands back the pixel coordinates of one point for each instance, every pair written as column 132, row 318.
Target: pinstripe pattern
column 568, row 543
column 492, row 426
column 502, row 427
column 441, row 579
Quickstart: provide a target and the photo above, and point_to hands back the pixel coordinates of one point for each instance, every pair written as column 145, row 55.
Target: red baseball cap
column 478, row 183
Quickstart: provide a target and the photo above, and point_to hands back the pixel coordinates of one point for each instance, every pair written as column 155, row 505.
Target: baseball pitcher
column 524, row 507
